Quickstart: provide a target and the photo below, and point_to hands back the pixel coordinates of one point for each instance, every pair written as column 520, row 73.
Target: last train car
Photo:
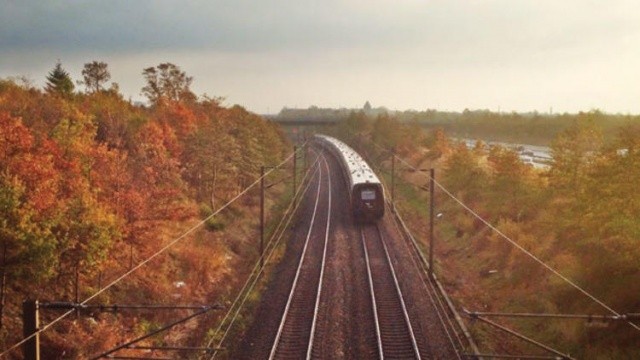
column 366, row 192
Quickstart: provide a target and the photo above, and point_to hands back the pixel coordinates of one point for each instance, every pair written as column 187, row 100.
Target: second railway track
column 397, row 339
column 348, row 290
column 294, row 339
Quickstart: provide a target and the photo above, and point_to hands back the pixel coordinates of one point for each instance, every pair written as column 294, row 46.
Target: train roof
column 359, row 170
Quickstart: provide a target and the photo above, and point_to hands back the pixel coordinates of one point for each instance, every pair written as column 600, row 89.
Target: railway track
column 459, row 339
column 396, row 338
column 297, row 330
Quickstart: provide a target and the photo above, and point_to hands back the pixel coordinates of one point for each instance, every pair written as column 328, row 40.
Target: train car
column 366, row 191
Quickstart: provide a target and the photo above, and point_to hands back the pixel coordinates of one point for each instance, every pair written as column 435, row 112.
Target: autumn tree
column 438, row 143
column 609, row 209
column 89, row 183
column 167, row 82
column 512, row 185
column 28, row 187
column 59, row 82
column 464, row 175
column 386, row 131
column 573, row 152
column 95, row 75
column 115, row 118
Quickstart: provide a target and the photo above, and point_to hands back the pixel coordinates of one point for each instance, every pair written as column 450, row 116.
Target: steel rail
column 443, row 312
column 400, row 296
column 251, row 283
column 438, row 289
column 322, row 265
column 294, row 286
column 436, row 292
column 373, row 296
column 398, row 291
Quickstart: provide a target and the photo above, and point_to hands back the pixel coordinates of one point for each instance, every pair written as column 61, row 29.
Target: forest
column 533, row 128
column 580, row 217
column 91, row 184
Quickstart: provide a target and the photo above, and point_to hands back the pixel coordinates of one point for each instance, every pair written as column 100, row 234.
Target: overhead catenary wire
column 439, row 307
column 298, row 270
column 518, row 246
column 255, row 278
column 145, row 261
column 246, row 294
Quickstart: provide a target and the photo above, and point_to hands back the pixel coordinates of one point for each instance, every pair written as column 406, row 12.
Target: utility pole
column 3, row 282
column 30, row 321
column 393, row 178
column 261, row 216
column 304, row 156
column 295, row 158
column 77, row 286
column 431, row 217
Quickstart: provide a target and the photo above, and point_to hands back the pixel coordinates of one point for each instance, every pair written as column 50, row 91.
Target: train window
column 368, row 195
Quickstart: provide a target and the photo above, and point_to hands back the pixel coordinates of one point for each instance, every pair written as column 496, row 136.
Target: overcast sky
column 508, row 55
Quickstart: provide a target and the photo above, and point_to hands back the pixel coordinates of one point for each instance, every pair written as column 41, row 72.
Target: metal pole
column 77, row 292
column 261, row 216
column 3, row 282
column 304, row 157
column 431, row 216
column 295, row 157
column 393, row 178
column 30, row 324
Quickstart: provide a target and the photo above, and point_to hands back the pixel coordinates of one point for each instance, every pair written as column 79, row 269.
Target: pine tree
column 59, row 81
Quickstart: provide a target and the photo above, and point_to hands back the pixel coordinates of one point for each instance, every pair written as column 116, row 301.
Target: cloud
column 271, row 25
column 224, row 25
column 457, row 53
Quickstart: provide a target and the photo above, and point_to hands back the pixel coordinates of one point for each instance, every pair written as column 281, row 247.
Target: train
column 366, row 192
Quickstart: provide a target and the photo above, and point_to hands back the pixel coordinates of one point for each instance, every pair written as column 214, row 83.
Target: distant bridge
column 302, row 122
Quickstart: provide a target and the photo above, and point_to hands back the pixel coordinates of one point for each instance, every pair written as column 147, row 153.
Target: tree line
column 90, row 183
column 533, row 128
column 580, row 216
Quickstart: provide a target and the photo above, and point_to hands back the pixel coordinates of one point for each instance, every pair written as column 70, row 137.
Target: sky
column 501, row 55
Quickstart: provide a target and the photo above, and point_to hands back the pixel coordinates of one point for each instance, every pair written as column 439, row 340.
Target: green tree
column 95, row 75
column 611, row 206
column 574, row 152
column 464, row 175
column 167, row 82
column 386, row 131
column 512, row 185
column 59, row 81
